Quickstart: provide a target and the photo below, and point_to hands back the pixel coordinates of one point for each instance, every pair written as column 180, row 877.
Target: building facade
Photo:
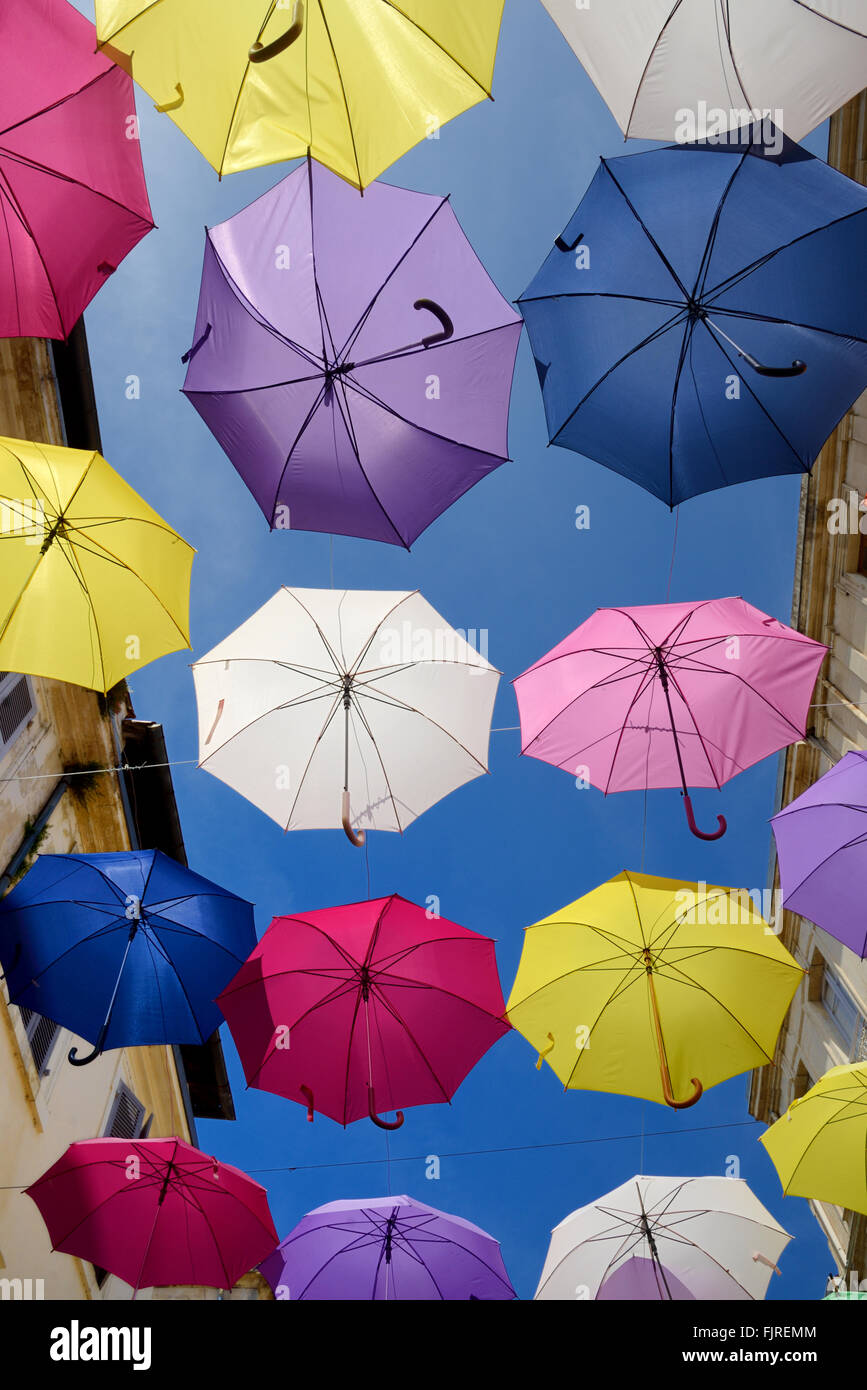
column 827, row 1024
column 53, row 738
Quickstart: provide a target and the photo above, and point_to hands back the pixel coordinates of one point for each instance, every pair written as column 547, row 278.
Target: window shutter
column 126, row 1116
column 41, row 1035
column 16, row 707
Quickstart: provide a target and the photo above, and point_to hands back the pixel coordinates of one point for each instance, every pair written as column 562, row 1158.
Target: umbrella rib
column 749, row 317
column 332, row 655
column 356, row 704
column 102, row 552
column 6, row 187
column 319, row 737
column 72, row 562
column 356, row 667
column 382, row 697
column 349, row 424
column 672, row 12
column 419, row 349
column 758, row 264
column 710, row 245
column 343, row 94
column 686, row 343
column 266, row 714
column 55, row 105
column 392, row 5
column 646, row 683
column 365, row 391
column 46, row 169
column 250, row 309
column 635, row 213
column 698, row 732
column 838, row 23
column 688, row 656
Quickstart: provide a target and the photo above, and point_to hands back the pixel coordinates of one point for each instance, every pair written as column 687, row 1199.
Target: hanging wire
column 673, row 549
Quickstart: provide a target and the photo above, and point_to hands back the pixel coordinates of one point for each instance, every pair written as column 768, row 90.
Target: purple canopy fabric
column 822, row 851
column 352, row 356
column 640, row 1279
column 388, row 1248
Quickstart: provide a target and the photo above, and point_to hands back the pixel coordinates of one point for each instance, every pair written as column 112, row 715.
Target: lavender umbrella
column 387, row 1248
column 352, row 356
column 822, row 851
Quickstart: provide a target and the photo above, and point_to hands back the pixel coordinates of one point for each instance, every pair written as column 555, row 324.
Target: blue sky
column 508, row 849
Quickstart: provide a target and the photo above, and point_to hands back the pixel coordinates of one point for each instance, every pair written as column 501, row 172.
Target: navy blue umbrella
column 123, row 949
column 702, row 320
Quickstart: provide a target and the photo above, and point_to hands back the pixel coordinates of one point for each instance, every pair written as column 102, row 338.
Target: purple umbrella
column 352, row 356
column 822, row 851
column 387, row 1248
column 639, row 1279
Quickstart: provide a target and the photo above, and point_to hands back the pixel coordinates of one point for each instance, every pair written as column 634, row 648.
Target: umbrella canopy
column 818, row 1147
column 656, row 62
column 387, row 1248
column 687, row 282
column 334, row 707
column 252, row 82
column 72, row 187
column 651, row 987
column 122, row 949
column 821, row 841
column 370, row 1004
column 94, row 583
column 352, row 356
column 639, row 1279
column 712, row 1236
column 155, row 1212
column 667, row 695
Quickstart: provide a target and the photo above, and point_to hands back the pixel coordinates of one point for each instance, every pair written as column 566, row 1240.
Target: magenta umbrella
column 374, row 1003
column 352, row 356
column 155, row 1212
column 72, row 187
column 679, row 694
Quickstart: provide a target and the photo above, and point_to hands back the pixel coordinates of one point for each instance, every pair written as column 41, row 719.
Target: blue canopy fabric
column 123, row 949
column 675, row 259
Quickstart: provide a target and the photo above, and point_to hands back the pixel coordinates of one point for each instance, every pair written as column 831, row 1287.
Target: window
column 841, row 1009
column 16, row 708
column 41, row 1035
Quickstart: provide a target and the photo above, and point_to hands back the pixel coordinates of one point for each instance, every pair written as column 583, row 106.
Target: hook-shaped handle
column 172, row 105
column 669, row 1094
column 544, row 1053
column 356, row 837
column 438, row 312
column 702, row 834
column 563, row 245
column 371, row 1110
column 260, row 53
column 797, row 369
column 77, row 1061
column 191, row 352
column 308, row 1096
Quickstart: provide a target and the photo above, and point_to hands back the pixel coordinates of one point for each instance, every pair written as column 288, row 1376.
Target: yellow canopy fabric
column 362, row 82
column 650, row 984
column 819, row 1147
column 93, row 583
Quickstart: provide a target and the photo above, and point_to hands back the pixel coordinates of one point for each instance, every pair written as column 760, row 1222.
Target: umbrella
column 700, row 1238
column 155, row 1212
column 818, row 1147
column 72, row 187
column 334, row 707
column 122, row 949
column 358, row 375
column 339, row 1007
column 679, row 694
column 646, row 985
column 94, row 583
column 254, row 82
column 665, row 318
column 660, row 64
column 822, row 852
column 387, row 1248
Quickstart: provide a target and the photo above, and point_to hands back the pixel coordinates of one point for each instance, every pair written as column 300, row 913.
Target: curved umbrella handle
column 669, row 1095
column 702, row 834
column 797, row 369
column 76, row 1061
column 308, row 1096
column 260, row 53
column 172, row 105
column 563, row 245
column 356, row 837
column 371, row 1110
column 448, row 327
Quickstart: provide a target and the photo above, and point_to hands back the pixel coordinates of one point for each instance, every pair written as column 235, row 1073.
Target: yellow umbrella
column 356, row 83
column 652, row 987
column 819, row 1147
column 93, row 583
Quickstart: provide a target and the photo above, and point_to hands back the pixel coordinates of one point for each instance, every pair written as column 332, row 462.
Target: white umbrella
column 705, row 1238
column 654, row 60
column 336, row 707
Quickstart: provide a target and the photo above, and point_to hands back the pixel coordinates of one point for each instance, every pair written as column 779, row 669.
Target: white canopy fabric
column 277, row 697
column 707, row 1232
column 653, row 60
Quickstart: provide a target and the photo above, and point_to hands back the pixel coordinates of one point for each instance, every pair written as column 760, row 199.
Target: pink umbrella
column 72, row 187
column 374, row 999
column 679, row 694
column 155, row 1212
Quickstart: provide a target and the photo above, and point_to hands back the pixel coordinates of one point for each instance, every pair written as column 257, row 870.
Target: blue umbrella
column 702, row 320
column 123, row 949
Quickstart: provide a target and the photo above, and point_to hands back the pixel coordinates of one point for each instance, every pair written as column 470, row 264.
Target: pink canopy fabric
column 73, row 200
column 373, row 1004
column 155, row 1212
column 678, row 694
